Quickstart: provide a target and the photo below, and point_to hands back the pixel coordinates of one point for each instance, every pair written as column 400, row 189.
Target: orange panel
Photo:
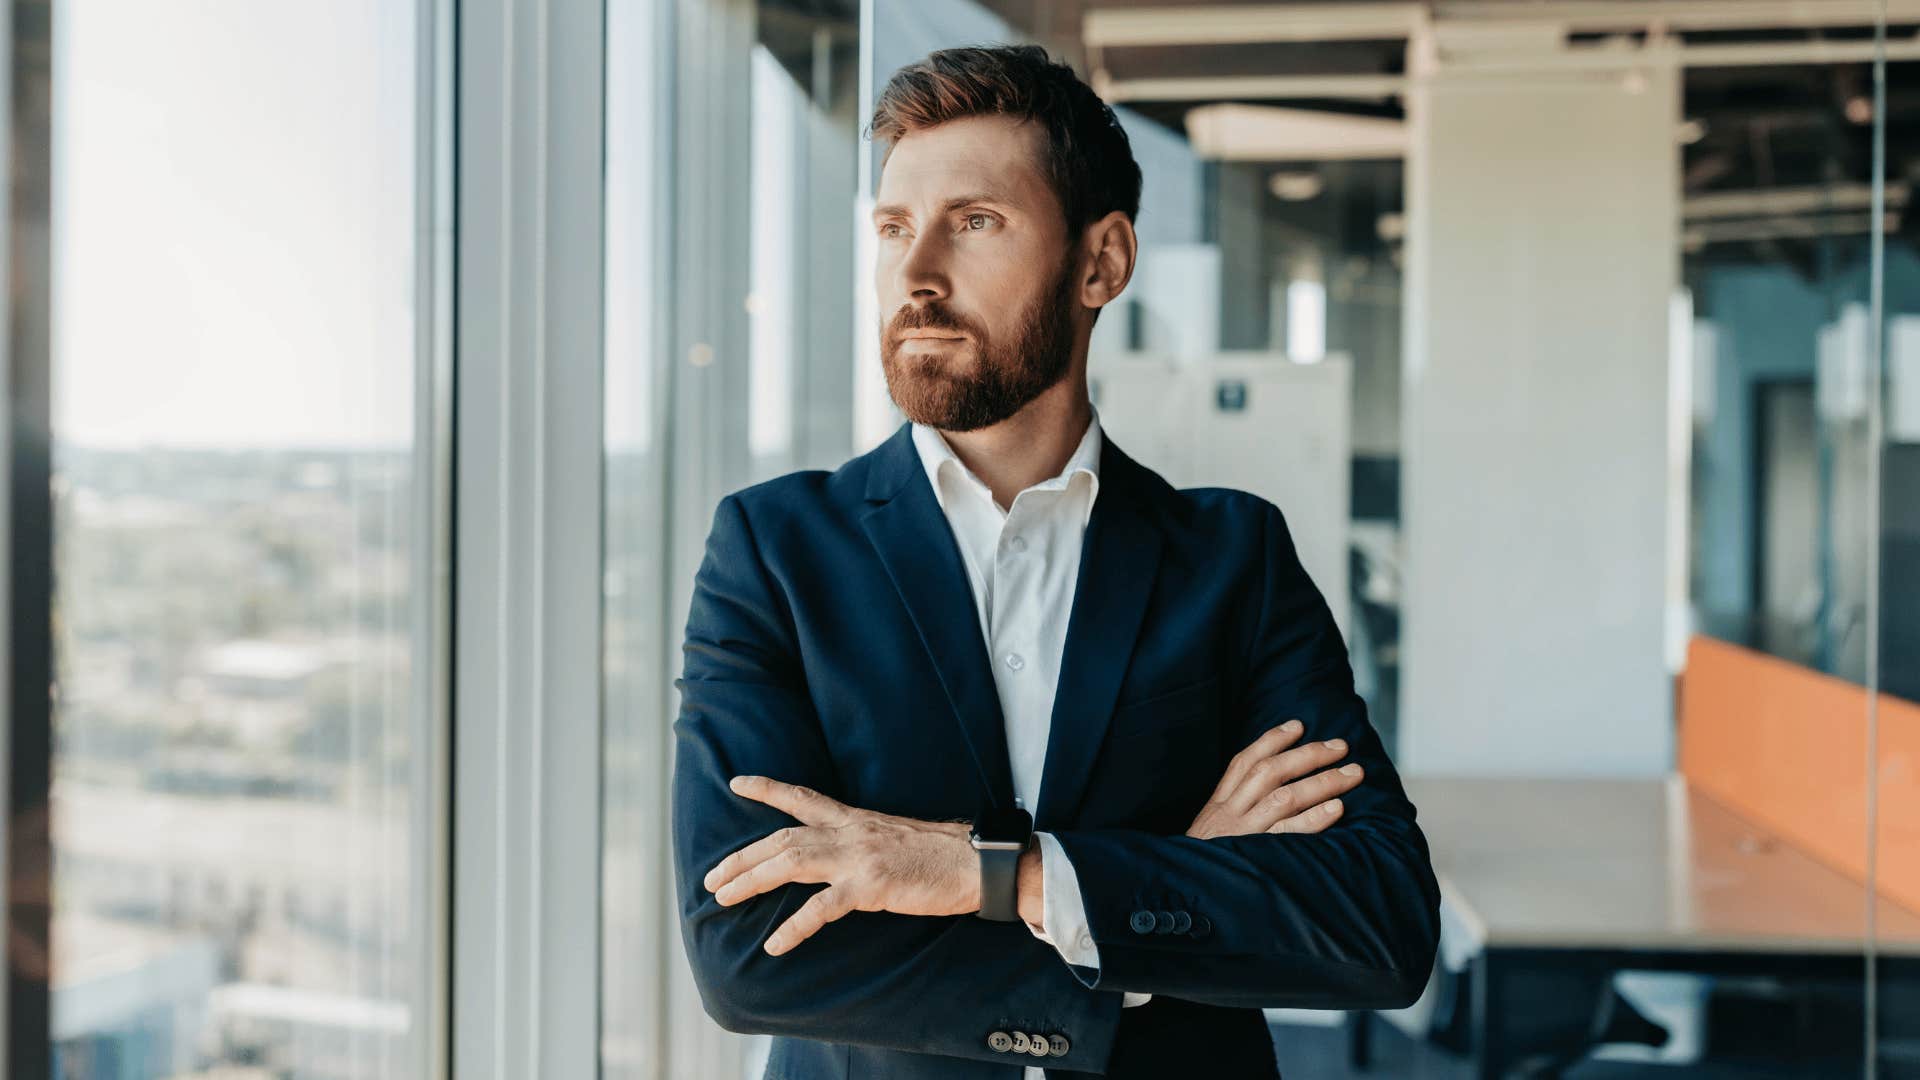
column 1786, row 747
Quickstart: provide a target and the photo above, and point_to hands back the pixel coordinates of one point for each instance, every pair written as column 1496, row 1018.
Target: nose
column 922, row 270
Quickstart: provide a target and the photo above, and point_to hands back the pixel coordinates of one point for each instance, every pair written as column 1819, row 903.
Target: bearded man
column 998, row 756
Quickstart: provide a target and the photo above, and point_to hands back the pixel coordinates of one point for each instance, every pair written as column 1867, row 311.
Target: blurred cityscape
column 231, row 813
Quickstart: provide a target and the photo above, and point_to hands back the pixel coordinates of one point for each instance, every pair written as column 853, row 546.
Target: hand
column 1255, row 795
column 870, row 862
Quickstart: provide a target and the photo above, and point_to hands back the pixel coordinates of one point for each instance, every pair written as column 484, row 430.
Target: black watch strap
column 1001, row 837
column 999, row 894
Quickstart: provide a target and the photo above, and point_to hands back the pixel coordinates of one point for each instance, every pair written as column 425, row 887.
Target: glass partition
column 1554, row 339
column 731, row 136
column 1892, row 667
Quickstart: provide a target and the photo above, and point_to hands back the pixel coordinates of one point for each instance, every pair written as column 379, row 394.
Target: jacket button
column 1038, row 1047
column 1021, row 1044
column 1182, row 922
column 1000, row 1042
column 1058, row 1046
column 1142, row 922
column 1202, row 926
column 1163, row 922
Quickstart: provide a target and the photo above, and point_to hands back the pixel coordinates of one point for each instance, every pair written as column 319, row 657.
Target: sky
column 233, row 223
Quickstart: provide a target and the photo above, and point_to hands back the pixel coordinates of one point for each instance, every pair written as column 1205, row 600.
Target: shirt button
column 1018, row 544
column 1015, row 661
column 1086, row 940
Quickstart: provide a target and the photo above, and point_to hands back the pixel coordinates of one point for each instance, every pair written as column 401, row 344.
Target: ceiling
column 1753, row 128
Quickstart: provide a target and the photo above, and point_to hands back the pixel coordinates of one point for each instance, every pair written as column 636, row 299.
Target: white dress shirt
column 1023, row 564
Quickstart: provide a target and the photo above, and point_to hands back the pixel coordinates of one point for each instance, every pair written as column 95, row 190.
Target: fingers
column 804, row 803
column 1301, row 795
column 820, row 909
column 1271, row 741
column 1311, row 821
column 785, row 866
column 1269, row 773
column 754, row 854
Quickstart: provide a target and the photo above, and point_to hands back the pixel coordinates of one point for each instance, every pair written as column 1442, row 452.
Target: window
column 243, row 732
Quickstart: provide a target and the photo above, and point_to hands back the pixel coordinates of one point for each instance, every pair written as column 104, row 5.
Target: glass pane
column 1893, row 622
column 238, row 613
column 731, row 365
column 1550, row 341
column 633, row 1040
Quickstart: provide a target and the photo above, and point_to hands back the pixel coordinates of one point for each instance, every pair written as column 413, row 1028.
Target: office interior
column 375, row 366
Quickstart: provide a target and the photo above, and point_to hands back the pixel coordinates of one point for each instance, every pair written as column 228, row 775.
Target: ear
column 1108, row 251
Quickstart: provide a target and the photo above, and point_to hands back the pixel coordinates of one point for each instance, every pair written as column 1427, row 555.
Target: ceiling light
column 1296, row 186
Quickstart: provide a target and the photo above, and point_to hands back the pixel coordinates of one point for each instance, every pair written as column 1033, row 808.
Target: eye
column 971, row 218
column 885, row 229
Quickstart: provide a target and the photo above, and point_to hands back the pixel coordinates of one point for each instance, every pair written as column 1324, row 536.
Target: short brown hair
column 1088, row 157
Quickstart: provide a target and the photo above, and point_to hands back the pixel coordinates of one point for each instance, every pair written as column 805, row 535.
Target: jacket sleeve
column 1344, row 919
column 937, row 985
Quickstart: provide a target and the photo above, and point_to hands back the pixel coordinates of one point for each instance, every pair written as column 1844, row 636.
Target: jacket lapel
column 1119, row 560
column 917, row 547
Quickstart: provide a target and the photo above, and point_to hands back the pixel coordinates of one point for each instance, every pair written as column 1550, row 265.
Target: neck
column 1031, row 445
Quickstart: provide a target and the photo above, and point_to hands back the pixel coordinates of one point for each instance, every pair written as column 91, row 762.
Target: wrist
column 1030, row 886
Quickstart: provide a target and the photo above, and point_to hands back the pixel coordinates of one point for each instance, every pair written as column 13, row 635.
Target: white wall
column 1541, row 254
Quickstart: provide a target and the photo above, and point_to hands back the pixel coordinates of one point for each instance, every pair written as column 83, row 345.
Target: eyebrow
column 948, row 207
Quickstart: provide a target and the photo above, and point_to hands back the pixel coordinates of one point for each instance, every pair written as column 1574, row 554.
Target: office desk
column 1559, row 883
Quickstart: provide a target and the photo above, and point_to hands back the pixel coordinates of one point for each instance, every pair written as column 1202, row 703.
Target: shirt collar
column 938, row 459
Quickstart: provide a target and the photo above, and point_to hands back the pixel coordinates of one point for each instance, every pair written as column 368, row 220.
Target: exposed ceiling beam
column 1251, row 88
column 1601, row 16
column 1382, row 87
column 1362, row 20
column 1228, row 23
column 1695, row 237
column 1787, row 201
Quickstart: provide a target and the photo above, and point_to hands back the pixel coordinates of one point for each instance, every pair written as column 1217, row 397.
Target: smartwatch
column 1000, row 836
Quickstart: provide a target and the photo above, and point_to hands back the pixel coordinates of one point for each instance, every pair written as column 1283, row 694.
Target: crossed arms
column 1301, row 914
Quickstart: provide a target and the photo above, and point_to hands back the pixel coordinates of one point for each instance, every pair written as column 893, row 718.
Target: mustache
column 930, row 317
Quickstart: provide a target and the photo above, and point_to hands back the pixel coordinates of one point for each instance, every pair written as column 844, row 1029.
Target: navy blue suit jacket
column 833, row 642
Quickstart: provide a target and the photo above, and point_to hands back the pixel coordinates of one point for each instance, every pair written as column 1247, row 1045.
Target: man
column 996, row 753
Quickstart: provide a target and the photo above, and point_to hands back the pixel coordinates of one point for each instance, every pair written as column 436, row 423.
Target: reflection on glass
column 761, row 387
column 234, row 489
column 633, row 1045
column 778, row 109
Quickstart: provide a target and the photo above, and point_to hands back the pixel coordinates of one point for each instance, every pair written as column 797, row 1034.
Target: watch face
column 1004, row 826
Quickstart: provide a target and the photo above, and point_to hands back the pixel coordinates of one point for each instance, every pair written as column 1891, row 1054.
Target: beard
column 1006, row 375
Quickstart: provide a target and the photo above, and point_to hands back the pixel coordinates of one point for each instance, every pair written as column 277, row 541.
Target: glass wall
column 731, row 160
column 1555, row 342
column 1891, row 437
column 245, row 697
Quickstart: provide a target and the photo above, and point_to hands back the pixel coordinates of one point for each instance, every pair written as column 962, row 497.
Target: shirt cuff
column 1065, row 913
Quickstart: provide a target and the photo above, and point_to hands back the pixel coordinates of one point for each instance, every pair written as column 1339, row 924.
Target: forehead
column 996, row 155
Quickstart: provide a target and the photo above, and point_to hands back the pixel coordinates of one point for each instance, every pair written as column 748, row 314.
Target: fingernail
column 1350, row 770
column 1331, row 806
column 1336, row 744
column 736, row 782
column 1290, row 726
